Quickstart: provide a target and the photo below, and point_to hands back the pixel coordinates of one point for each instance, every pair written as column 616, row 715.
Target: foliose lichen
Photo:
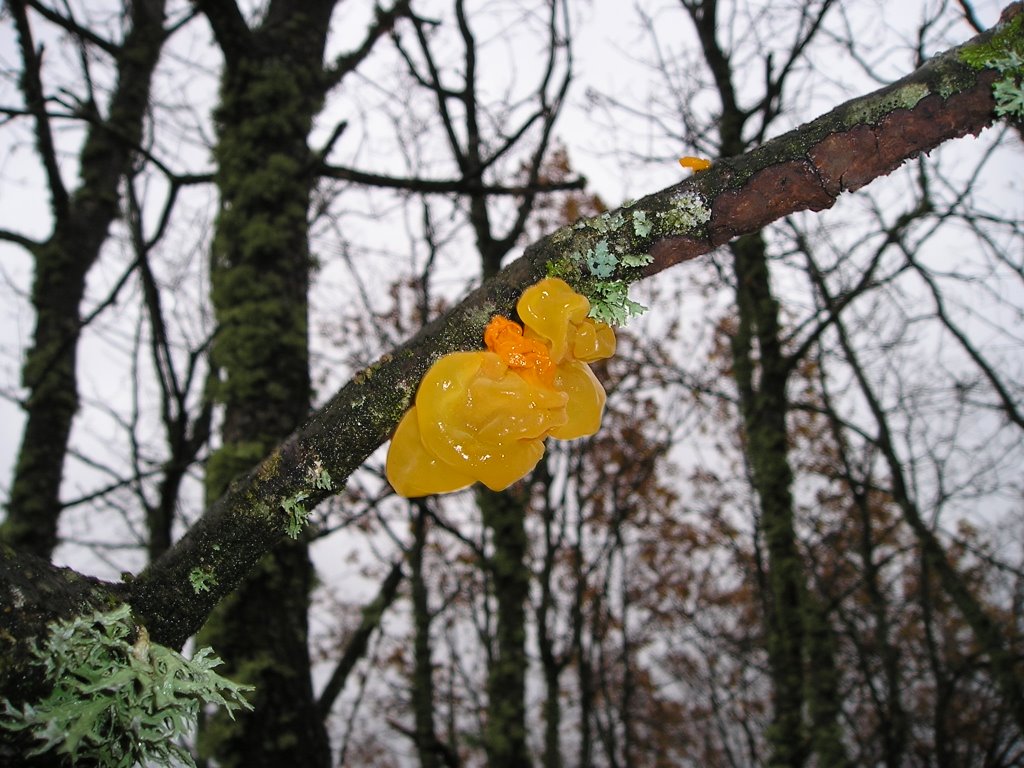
column 1003, row 52
column 202, row 578
column 597, row 270
column 294, row 505
column 115, row 701
column 297, row 513
column 610, row 302
column 600, row 261
column 688, row 213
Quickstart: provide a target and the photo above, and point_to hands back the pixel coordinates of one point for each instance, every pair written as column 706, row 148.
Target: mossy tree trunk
column 271, row 90
column 794, row 633
column 425, row 735
column 505, row 732
column 761, row 374
column 81, row 221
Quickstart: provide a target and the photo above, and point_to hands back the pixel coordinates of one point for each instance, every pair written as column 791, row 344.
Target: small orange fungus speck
column 695, row 164
column 484, row 415
column 527, row 357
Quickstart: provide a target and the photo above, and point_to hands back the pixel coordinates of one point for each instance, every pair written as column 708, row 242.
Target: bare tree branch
column 449, row 186
column 35, row 101
column 383, row 23
column 70, row 25
column 228, row 25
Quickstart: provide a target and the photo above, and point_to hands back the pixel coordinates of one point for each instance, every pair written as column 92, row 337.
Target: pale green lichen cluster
column 641, row 224
column 294, row 505
column 593, row 270
column 1004, row 52
column 202, row 579
column 295, row 508
column 687, row 214
column 115, row 702
column 868, row 111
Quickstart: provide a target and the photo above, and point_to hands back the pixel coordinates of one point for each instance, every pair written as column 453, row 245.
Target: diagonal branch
column 383, row 23
column 35, row 101
column 229, row 28
column 450, row 186
column 68, row 24
column 360, row 639
column 17, row 238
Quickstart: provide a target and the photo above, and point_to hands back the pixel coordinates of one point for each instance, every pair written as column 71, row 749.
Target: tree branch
column 17, row 238
column 360, row 639
column 229, row 28
column 448, row 186
column 68, row 24
column 383, row 23
column 35, row 101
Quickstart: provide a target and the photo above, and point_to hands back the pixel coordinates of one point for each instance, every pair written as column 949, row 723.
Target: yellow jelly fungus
column 695, row 164
column 484, row 415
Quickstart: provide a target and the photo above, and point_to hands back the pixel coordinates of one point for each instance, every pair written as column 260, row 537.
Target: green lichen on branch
column 202, row 579
column 1003, row 52
column 612, row 257
column 295, row 507
column 117, row 699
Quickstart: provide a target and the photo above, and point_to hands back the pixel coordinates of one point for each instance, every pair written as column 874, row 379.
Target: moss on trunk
column 505, row 731
column 260, row 274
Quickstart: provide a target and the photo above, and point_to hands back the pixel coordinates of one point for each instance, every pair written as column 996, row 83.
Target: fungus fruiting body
column 695, row 164
column 484, row 415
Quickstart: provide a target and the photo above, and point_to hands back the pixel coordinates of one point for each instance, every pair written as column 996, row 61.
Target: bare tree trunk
column 423, row 669
column 582, row 656
column 552, row 663
column 761, row 374
column 505, row 731
column 81, row 223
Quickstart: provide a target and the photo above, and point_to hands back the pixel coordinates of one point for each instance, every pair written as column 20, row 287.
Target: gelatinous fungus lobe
column 695, row 164
column 484, row 415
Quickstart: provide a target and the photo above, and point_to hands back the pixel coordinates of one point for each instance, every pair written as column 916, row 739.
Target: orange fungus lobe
column 528, row 357
column 695, row 164
column 484, row 415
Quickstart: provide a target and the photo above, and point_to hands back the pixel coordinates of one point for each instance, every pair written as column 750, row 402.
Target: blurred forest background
column 797, row 538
